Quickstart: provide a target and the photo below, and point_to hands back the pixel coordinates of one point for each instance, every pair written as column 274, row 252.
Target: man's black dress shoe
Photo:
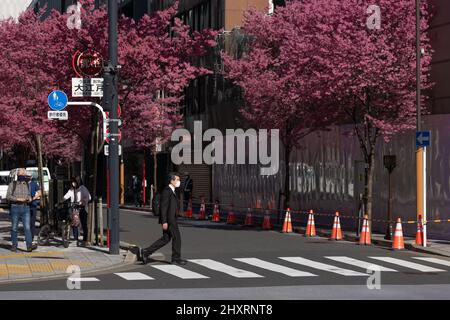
column 179, row 261
column 144, row 256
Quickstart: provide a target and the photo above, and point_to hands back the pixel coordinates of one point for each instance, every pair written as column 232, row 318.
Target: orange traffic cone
column 202, row 212
column 258, row 204
column 398, row 243
column 216, row 214
column 231, row 218
column 336, row 233
column 310, row 227
column 248, row 219
column 188, row 213
column 419, row 234
column 287, row 225
column 267, row 225
column 365, row 237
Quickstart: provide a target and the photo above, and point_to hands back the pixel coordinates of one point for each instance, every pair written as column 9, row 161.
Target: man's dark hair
column 171, row 176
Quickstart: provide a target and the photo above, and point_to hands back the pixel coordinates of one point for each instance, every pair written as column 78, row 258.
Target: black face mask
column 21, row 178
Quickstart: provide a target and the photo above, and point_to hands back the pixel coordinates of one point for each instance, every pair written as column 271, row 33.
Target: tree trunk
column 43, row 206
column 287, row 192
column 155, row 170
column 369, row 174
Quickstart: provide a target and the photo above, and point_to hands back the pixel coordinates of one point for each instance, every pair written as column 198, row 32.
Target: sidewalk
column 51, row 262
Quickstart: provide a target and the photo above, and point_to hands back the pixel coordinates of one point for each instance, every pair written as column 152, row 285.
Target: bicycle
column 59, row 225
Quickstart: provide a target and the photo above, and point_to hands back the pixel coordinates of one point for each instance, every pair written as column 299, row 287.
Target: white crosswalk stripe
column 434, row 260
column 359, row 263
column 180, row 272
column 231, row 267
column 83, row 279
column 275, row 267
column 221, row 267
column 134, row 276
column 407, row 264
column 323, row 266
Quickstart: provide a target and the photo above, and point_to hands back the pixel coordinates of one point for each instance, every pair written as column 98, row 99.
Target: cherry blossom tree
column 333, row 61
column 278, row 80
column 35, row 58
column 366, row 57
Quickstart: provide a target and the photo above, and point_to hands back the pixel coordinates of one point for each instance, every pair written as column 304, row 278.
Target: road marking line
column 323, row 266
column 83, row 279
column 134, row 276
column 179, row 272
column 221, row 267
column 434, row 260
column 408, row 264
column 275, row 267
column 359, row 263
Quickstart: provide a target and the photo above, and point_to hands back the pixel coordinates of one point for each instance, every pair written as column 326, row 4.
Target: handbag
column 75, row 215
column 75, row 218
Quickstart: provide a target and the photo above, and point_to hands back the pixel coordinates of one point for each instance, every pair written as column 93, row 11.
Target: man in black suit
column 168, row 218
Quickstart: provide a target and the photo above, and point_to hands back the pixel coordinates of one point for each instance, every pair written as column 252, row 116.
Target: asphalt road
column 231, row 262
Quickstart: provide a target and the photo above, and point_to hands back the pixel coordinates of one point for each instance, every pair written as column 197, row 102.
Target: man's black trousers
column 172, row 233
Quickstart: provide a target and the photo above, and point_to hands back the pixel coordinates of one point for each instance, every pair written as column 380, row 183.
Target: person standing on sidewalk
column 19, row 197
column 79, row 194
column 35, row 192
column 169, row 209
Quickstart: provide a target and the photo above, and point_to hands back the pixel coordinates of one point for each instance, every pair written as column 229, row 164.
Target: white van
column 4, row 182
column 33, row 172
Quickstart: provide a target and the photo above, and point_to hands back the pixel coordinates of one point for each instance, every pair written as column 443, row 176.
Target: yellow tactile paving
column 19, row 269
column 81, row 263
column 28, row 269
column 30, row 254
column 41, row 267
column 63, row 265
column 60, row 265
column 3, row 270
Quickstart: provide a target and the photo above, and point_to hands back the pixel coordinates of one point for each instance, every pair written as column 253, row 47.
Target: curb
column 129, row 259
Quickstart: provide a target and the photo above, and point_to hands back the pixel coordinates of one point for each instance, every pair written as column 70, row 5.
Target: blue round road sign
column 57, row 100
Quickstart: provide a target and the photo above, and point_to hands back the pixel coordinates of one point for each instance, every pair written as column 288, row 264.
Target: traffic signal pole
column 111, row 102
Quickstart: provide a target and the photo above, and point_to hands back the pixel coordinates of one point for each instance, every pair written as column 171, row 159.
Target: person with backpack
column 19, row 198
column 36, row 194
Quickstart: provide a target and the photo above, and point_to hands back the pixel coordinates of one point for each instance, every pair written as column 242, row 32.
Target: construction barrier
column 287, row 224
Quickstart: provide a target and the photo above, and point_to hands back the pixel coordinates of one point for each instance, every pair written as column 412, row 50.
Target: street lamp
column 389, row 162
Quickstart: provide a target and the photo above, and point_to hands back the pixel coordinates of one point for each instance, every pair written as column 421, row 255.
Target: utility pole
column 111, row 102
column 421, row 190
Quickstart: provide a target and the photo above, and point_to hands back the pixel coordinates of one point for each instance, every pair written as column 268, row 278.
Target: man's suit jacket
column 169, row 207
